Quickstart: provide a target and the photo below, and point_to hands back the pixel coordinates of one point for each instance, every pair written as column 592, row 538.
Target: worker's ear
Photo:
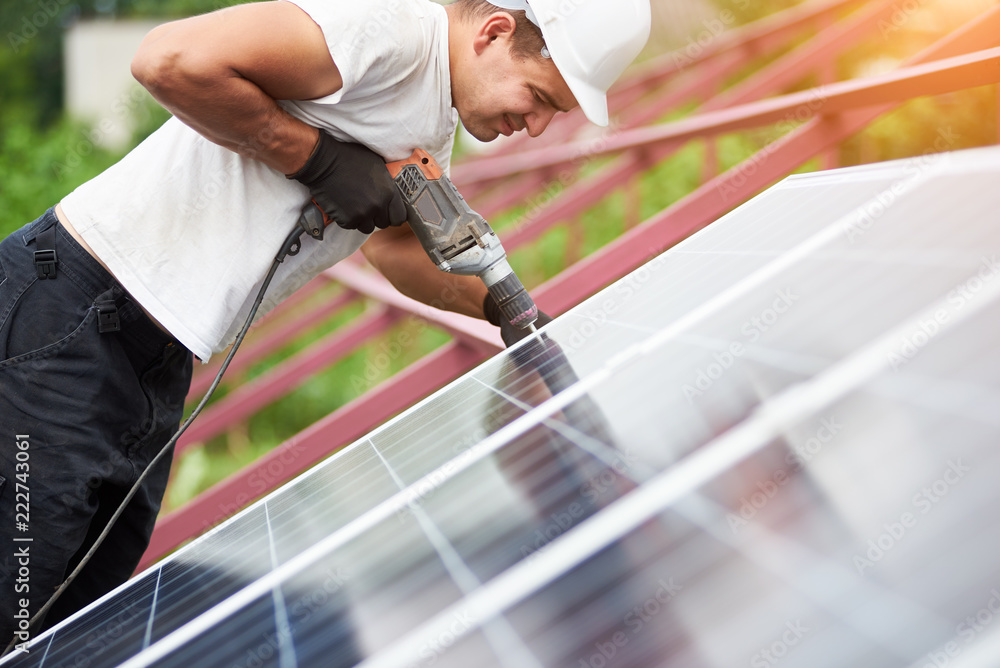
column 497, row 29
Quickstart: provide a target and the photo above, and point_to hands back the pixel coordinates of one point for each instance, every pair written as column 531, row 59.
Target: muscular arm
column 398, row 256
column 221, row 73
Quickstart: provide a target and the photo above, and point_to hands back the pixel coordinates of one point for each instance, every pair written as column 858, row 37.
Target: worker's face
column 497, row 93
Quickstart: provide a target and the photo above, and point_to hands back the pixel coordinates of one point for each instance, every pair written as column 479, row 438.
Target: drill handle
column 312, row 221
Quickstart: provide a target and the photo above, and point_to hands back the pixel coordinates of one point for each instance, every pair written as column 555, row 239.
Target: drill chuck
column 507, row 291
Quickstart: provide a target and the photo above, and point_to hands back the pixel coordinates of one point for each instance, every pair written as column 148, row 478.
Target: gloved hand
column 351, row 186
column 508, row 332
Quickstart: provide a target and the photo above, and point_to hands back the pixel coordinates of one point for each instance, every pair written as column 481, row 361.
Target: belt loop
column 46, row 260
column 107, row 311
column 107, row 317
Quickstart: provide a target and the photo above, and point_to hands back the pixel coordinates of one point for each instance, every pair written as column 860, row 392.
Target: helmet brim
column 593, row 102
column 591, row 42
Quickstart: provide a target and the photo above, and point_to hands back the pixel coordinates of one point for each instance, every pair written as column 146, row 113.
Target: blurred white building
column 98, row 79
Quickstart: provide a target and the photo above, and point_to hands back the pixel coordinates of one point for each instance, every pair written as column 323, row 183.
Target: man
column 104, row 298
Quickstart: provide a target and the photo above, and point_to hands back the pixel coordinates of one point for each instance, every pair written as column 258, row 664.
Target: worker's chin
column 483, row 134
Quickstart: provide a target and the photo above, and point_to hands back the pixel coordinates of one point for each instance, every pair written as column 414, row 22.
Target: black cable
column 291, row 246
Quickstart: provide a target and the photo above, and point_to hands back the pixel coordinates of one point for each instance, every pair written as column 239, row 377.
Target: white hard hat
column 591, row 42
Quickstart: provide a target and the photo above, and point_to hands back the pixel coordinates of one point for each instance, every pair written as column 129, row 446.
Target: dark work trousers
column 82, row 413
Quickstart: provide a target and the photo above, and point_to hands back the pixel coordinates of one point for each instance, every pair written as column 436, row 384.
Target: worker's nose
column 536, row 122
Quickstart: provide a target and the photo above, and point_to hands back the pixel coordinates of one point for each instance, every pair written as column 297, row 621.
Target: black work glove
column 508, row 332
column 351, row 186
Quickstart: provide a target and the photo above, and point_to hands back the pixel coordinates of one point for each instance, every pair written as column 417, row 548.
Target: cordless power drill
column 457, row 239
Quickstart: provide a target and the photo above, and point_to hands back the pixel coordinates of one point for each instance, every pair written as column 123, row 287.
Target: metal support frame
column 843, row 109
column 249, row 398
column 269, row 341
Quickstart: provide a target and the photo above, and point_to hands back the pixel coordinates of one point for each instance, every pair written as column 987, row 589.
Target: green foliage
column 44, row 156
column 745, row 11
column 964, row 119
column 39, row 167
column 31, row 57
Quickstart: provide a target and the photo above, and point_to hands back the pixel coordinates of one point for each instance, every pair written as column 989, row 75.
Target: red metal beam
column 817, row 53
column 808, row 57
column 737, row 45
column 717, row 197
column 512, row 192
column 263, row 343
column 751, row 40
column 659, row 142
column 679, row 221
column 731, row 51
column 945, row 76
column 304, row 450
column 703, row 84
column 249, row 398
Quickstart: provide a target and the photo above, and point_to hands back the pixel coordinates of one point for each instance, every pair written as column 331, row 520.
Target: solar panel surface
column 773, row 444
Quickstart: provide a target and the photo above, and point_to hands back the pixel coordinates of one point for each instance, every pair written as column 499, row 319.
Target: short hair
column 528, row 41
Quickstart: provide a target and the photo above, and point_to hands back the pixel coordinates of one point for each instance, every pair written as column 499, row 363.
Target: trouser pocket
column 36, row 316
